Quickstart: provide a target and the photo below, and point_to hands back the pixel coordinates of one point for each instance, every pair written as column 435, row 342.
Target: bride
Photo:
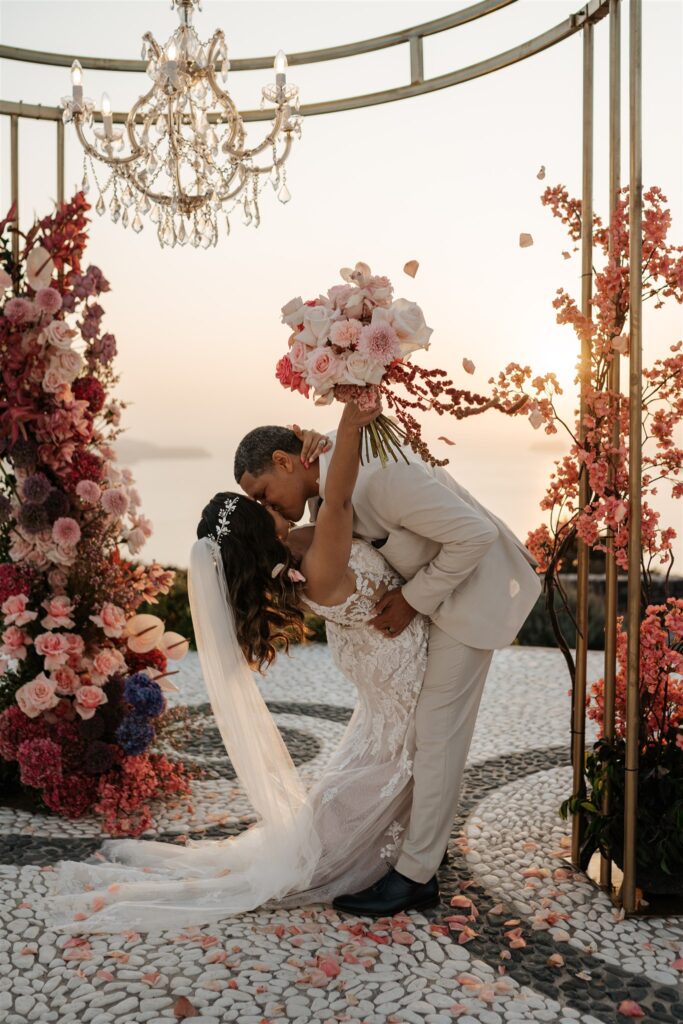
column 250, row 578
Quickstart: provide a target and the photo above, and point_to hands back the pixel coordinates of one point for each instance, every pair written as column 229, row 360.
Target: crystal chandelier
column 180, row 158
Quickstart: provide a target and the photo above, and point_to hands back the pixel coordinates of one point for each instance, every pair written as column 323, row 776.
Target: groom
column 465, row 570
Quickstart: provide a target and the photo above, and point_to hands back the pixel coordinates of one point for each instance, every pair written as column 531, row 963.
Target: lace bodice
column 371, row 571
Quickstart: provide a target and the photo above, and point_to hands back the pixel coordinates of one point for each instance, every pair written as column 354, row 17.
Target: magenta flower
column 379, row 341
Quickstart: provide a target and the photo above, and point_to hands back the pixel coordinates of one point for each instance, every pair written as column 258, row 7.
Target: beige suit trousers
column 444, row 720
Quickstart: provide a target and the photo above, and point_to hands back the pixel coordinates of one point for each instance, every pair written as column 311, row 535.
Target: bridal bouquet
column 345, row 345
column 354, row 343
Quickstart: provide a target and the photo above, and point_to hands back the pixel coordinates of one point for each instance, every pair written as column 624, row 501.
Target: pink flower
column 111, row 619
column 88, row 491
column 54, row 648
column 37, row 696
column 284, row 371
column 106, row 663
column 88, row 699
column 115, row 501
column 48, row 300
column 14, row 611
column 135, row 539
column 324, row 368
column 297, row 357
column 58, row 334
column 69, row 363
column 14, row 642
column 361, row 369
column 295, row 576
column 66, row 531
column 75, row 646
column 54, row 380
column 19, row 311
column 345, row 333
column 58, row 608
column 66, row 681
column 379, row 342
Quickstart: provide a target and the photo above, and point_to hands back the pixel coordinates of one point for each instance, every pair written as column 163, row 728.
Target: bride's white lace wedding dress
column 338, row 837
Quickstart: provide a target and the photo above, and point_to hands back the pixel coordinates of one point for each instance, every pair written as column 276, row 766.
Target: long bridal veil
column 145, row 885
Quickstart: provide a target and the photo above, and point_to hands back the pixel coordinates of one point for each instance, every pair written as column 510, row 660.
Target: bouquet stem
column 385, row 439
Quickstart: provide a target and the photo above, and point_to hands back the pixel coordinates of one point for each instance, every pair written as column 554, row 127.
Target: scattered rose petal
column 536, row 419
column 403, row 938
column 461, row 901
column 628, row 1008
column 678, row 964
column 567, row 255
column 151, row 977
column 497, row 909
column 525, row 241
column 556, row 960
column 411, row 268
column 104, row 973
column 468, row 366
column 446, row 440
column 505, row 954
column 183, row 1008
column 541, row 173
column 583, row 975
column 518, row 944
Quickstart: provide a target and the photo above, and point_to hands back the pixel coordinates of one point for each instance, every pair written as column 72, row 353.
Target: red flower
column 85, row 465
column 40, row 762
column 72, row 796
column 15, row 728
column 90, row 390
column 14, row 579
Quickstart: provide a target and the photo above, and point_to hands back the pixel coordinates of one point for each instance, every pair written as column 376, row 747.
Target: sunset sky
column 448, row 179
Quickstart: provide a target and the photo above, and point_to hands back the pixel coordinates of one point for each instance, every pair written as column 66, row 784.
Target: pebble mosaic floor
column 542, row 944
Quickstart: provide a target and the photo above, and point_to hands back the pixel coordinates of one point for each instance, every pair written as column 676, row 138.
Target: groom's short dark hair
column 255, row 451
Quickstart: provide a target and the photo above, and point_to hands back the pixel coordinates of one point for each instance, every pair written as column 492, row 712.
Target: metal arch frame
column 590, row 13
column 583, row 20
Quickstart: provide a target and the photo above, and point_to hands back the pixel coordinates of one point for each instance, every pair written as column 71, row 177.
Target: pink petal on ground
column 104, row 973
column 556, row 960
column 97, row 903
column 678, row 964
column 329, row 965
column 461, row 901
column 517, row 944
column 627, row 1008
column 403, row 938
column 151, row 977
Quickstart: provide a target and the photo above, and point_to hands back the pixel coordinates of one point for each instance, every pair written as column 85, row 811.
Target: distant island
column 130, row 451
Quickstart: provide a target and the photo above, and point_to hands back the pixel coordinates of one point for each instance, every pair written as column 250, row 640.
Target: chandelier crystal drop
column 180, row 158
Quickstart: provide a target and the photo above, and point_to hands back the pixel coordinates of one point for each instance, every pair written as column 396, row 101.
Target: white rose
column 408, row 321
column 293, row 312
column 317, row 321
column 69, row 363
column 361, row 370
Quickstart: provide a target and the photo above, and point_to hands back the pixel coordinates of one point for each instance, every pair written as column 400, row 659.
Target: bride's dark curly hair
column 267, row 611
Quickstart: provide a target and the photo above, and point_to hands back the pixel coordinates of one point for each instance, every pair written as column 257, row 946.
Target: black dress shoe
column 389, row 896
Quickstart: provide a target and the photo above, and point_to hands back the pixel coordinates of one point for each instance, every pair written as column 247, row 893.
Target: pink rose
column 58, row 334
column 54, row 380
column 88, row 699
column 53, row 647
column 339, row 295
column 19, row 311
column 69, row 363
column 106, row 663
column 88, row 491
column 58, row 608
column 66, row 531
column 75, row 646
column 37, row 696
column 324, row 368
column 284, row 371
column 66, row 681
column 111, row 619
column 345, row 333
column 115, row 501
column 48, row 300
column 297, row 356
column 14, row 611
column 14, row 641
column 317, row 321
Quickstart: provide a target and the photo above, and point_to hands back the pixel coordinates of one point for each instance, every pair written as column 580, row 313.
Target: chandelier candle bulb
column 106, row 116
column 77, row 84
column 280, row 69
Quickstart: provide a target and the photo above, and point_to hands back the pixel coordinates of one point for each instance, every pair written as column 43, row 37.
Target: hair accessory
column 295, row 576
column 222, row 527
column 277, row 569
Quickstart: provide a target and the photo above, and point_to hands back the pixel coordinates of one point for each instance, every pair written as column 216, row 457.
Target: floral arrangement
column 353, row 344
column 82, row 676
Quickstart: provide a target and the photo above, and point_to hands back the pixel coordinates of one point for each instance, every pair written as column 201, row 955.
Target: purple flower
column 23, row 454
column 144, row 694
column 36, row 488
column 56, row 504
column 134, row 734
column 33, row 517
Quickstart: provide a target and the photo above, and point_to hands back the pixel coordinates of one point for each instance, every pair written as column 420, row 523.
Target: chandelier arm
column 236, row 123
column 278, row 124
column 111, row 161
column 278, row 162
column 156, row 49
column 130, row 120
column 185, row 201
column 224, row 196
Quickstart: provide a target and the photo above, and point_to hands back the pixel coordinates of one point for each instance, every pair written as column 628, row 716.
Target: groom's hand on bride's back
column 313, row 444
column 393, row 614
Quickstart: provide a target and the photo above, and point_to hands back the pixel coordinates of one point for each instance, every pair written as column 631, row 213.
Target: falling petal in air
column 525, row 240
column 541, row 173
column 468, row 366
column 411, row 268
column 567, row 255
column 446, row 440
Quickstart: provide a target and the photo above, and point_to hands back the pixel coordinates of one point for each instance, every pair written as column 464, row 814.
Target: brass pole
column 60, row 162
column 611, row 568
column 583, row 551
column 14, row 182
column 628, row 889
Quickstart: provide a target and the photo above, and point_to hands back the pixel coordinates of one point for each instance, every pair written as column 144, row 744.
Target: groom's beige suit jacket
column 464, row 567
